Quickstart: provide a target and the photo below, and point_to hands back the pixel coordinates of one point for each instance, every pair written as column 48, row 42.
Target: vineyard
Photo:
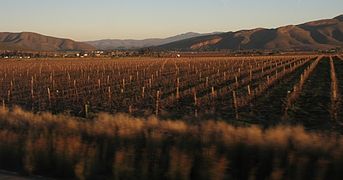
column 265, row 117
column 265, row 90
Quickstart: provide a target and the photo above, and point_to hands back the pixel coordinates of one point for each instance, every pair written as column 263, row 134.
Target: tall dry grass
column 123, row 147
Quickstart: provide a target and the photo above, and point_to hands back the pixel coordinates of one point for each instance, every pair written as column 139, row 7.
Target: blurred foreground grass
column 123, row 147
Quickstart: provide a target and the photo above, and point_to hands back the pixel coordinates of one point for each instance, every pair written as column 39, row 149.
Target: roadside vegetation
column 123, row 147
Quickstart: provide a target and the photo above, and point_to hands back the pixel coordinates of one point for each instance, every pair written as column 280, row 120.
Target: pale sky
column 138, row 19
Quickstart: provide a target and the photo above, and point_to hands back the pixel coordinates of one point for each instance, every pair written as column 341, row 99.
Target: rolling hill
column 110, row 44
column 37, row 42
column 321, row 34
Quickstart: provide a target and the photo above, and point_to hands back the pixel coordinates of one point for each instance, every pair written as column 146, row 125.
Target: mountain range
column 321, row 34
column 108, row 44
column 30, row 41
column 315, row 35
